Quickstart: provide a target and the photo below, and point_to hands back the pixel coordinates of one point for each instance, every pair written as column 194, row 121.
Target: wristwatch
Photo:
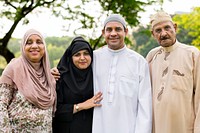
column 76, row 107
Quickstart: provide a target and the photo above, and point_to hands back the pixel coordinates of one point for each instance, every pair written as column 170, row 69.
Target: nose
column 163, row 33
column 113, row 33
column 82, row 57
column 34, row 45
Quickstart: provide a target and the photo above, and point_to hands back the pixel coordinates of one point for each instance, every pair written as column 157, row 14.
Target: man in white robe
column 122, row 75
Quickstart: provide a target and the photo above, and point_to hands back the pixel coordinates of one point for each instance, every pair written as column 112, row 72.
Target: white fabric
column 123, row 77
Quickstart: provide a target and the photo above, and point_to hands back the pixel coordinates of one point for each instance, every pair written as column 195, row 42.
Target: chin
column 166, row 44
column 83, row 67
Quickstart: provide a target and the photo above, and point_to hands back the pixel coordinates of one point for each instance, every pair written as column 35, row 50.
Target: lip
column 82, row 62
column 113, row 40
column 34, row 52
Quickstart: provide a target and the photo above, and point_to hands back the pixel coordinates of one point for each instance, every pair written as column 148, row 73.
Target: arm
column 6, row 92
column 197, row 93
column 144, row 115
column 90, row 103
column 65, row 112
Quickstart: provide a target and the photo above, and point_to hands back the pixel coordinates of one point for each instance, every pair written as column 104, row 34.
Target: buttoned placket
column 112, row 79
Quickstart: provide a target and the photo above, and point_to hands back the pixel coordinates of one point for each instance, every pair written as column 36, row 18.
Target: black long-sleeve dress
column 67, row 122
column 74, row 86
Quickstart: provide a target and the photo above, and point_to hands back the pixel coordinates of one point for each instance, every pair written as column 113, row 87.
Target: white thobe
column 123, row 78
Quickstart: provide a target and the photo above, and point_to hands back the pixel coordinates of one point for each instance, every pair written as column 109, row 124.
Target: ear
column 126, row 31
column 175, row 26
column 152, row 33
column 103, row 32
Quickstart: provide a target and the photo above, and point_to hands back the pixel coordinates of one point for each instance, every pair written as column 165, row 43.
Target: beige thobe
column 175, row 76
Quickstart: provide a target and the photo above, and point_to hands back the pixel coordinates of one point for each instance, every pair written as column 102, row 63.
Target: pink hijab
column 33, row 80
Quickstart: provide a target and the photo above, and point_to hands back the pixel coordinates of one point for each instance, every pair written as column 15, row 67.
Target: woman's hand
column 92, row 102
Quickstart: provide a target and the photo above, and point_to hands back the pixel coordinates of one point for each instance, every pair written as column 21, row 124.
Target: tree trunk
column 6, row 53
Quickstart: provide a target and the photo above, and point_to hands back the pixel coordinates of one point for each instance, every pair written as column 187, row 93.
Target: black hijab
column 78, row 80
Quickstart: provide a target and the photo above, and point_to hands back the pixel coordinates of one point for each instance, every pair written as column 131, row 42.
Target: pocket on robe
column 128, row 86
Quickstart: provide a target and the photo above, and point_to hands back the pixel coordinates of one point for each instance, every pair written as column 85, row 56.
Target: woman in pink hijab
column 27, row 89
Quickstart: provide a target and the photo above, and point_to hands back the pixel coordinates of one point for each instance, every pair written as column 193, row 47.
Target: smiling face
column 114, row 34
column 82, row 59
column 165, row 33
column 34, row 48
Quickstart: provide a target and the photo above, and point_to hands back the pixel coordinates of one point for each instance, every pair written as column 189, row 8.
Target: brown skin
column 165, row 33
column 82, row 59
column 34, row 48
column 90, row 103
column 114, row 34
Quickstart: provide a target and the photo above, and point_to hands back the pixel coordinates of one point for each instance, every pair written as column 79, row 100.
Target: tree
column 129, row 9
column 189, row 27
column 56, row 47
column 188, row 32
column 17, row 10
column 144, row 40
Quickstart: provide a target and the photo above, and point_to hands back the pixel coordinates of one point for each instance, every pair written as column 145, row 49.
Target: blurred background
column 61, row 20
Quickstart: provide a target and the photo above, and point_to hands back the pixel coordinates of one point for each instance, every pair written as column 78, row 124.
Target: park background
column 61, row 20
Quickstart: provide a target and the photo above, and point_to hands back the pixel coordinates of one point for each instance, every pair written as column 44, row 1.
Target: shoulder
column 189, row 51
column 188, row 48
column 100, row 50
column 134, row 55
column 152, row 53
column 14, row 64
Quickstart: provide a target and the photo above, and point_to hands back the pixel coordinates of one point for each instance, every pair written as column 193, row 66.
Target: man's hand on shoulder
column 55, row 73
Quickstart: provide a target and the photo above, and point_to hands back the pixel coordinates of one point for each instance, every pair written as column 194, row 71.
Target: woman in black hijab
column 75, row 98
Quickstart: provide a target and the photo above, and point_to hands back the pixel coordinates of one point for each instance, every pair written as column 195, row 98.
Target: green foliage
column 55, row 53
column 189, row 27
column 188, row 32
column 2, row 64
column 141, row 36
column 56, row 47
column 97, row 42
column 144, row 41
column 14, row 45
column 59, row 41
column 17, row 10
column 1, row 70
column 144, row 49
column 128, row 8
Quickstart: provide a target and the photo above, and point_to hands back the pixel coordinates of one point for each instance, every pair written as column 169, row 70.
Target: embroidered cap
column 160, row 16
column 115, row 18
